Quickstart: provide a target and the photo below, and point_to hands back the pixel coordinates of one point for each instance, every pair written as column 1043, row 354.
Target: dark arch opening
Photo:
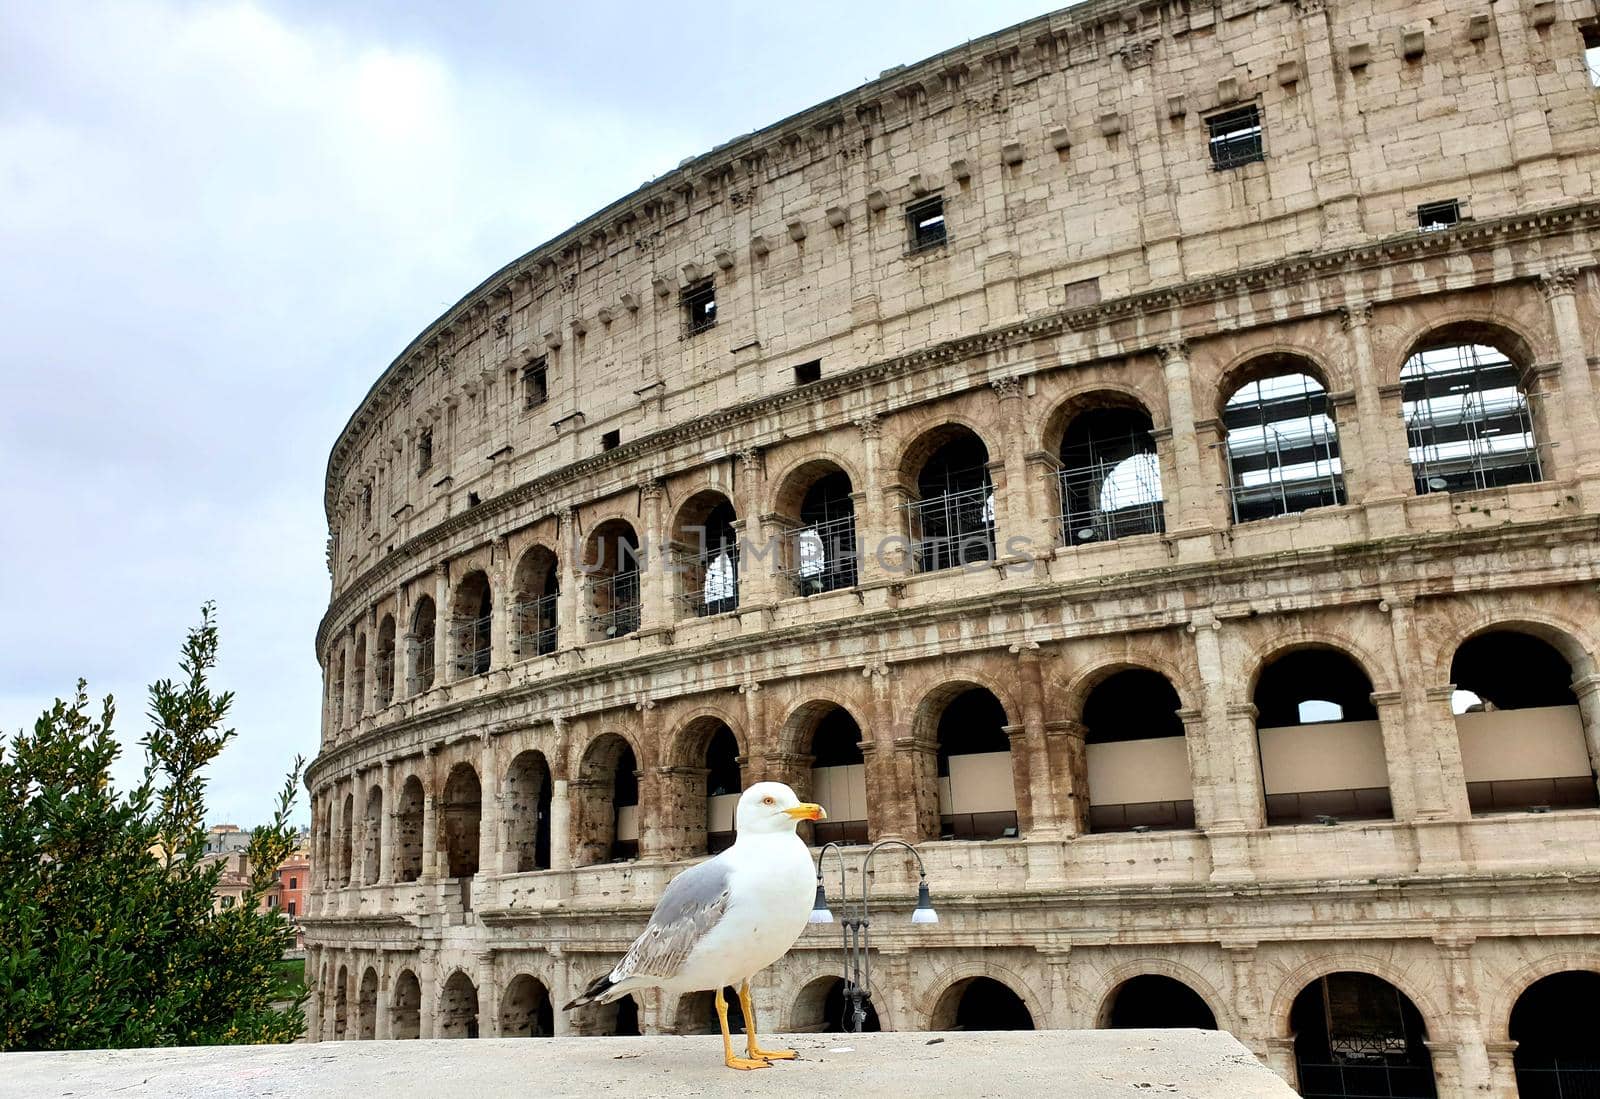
column 408, row 831
column 611, row 563
column 709, row 545
column 1152, row 1002
column 384, row 667
column 1321, row 748
column 372, row 848
column 981, row 1003
column 1468, row 422
column 605, row 799
column 1357, row 1035
column 535, row 596
column 821, row 1008
column 420, row 641
column 1553, row 1024
column 528, row 790
column 1523, row 745
column 458, row 1008
column 367, row 1006
column 405, row 1014
column 952, row 518
column 463, row 809
column 471, row 624
column 341, row 1006
column 824, row 555
column 525, row 1009
column 977, row 797
column 359, row 672
column 839, row 778
column 723, row 786
column 347, row 829
column 1137, row 758
column 1282, row 445
column 1110, row 478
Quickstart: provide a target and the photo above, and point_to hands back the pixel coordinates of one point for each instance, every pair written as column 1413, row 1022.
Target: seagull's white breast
column 770, row 892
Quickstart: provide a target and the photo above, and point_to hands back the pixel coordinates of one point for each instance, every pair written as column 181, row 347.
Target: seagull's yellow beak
column 807, row 810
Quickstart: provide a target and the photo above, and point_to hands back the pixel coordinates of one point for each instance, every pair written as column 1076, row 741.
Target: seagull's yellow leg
column 727, row 1039
column 748, row 1006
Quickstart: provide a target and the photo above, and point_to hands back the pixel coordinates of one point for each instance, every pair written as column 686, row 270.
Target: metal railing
column 1368, row 1080
column 1283, row 472
column 955, row 528
column 825, row 557
column 383, row 668
column 469, row 637
column 534, row 625
column 616, row 602
column 1468, row 424
column 712, row 582
column 1104, row 501
column 422, row 668
column 1553, row 1077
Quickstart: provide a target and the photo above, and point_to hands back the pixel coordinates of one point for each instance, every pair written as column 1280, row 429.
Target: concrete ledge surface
column 1086, row 1064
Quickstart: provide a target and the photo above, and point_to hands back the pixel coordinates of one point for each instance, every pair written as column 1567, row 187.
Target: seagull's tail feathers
column 603, row 990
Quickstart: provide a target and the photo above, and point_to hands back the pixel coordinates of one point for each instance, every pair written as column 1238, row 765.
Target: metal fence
column 956, row 528
column 825, row 557
column 1105, row 500
column 712, row 581
column 534, row 625
column 1467, row 421
column 616, row 602
column 470, row 639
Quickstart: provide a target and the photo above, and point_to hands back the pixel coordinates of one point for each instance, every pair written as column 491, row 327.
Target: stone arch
column 815, row 506
column 385, row 667
column 1498, row 1005
column 421, row 664
column 405, row 1006
column 458, row 1006
column 916, row 449
column 372, row 828
column 1353, row 1032
column 925, row 720
column 1112, row 981
column 687, row 742
column 527, row 789
column 973, row 780
column 838, row 777
column 704, row 533
column 790, row 484
column 1291, row 985
column 1567, row 637
column 1076, row 686
column 1281, row 445
column 1098, row 394
column 610, row 563
column 705, row 778
column 799, row 721
column 812, row 1007
column 367, row 1006
column 1485, row 327
column 1260, row 656
column 525, row 1008
column 408, row 829
column 535, row 599
column 604, row 823
column 930, row 1004
column 471, row 625
column 462, row 811
column 347, row 829
column 1135, row 773
column 1267, row 360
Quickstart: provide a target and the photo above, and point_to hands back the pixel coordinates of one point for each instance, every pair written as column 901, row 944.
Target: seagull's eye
column 769, row 801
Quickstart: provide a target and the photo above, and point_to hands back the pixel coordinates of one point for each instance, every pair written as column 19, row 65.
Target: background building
column 1217, row 382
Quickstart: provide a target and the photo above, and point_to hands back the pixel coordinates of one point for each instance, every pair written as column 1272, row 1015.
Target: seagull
column 724, row 920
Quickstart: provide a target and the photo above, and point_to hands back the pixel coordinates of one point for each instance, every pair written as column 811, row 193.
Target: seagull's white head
column 772, row 807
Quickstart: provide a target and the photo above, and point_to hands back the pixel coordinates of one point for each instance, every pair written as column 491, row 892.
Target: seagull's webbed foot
column 727, row 1041
column 748, row 1007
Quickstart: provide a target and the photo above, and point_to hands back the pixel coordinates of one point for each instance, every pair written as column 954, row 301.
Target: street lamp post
column 856, row 924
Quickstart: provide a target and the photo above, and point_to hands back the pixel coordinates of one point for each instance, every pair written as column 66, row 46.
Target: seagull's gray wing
column 691, row 906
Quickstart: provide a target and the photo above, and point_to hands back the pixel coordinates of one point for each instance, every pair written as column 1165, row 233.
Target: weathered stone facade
column 1118, row 246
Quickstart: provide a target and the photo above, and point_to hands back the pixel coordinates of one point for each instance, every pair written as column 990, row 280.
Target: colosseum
column 1149, row 458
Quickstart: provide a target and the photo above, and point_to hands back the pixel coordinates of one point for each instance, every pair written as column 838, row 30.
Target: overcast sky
column 219, row 223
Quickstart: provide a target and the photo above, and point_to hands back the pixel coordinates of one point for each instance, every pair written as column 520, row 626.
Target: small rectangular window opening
column 926, row 221
column 1433, row 216
column 425, row 451
column 473, row 500
column 366, row 505
column 806, row 373
column 611, row 440
column 700, row 305
column 1591, row 52
column 1235, row 138
column 534, row 390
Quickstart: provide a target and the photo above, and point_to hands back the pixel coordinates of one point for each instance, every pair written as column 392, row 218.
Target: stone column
column 1502, row 1067
column 870, row 525
column 1587, row 690
column 1382, row 460
column 569, row 631
column 1065, row 745
column 1014, row 510
column 1045, row 818
column 1577, row 387
column 1195, row 506
column 1280, row 1059
column 428, row 984
column 560, row 827
column 314, row 979
column 656, row 584
column 490, row 842
column 488, row 996
column 358, row 831
column 1397, row 753
column 443, row 658
column 1058, row 973
column 1433, row 747
column 500, row 626
column 757, row 568
column 1253, row 1030
column 430, row 819
column 1471, row 1060
column 387, row 826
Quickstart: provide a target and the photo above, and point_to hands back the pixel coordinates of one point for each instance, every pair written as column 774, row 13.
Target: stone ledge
column 1088, row 1064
